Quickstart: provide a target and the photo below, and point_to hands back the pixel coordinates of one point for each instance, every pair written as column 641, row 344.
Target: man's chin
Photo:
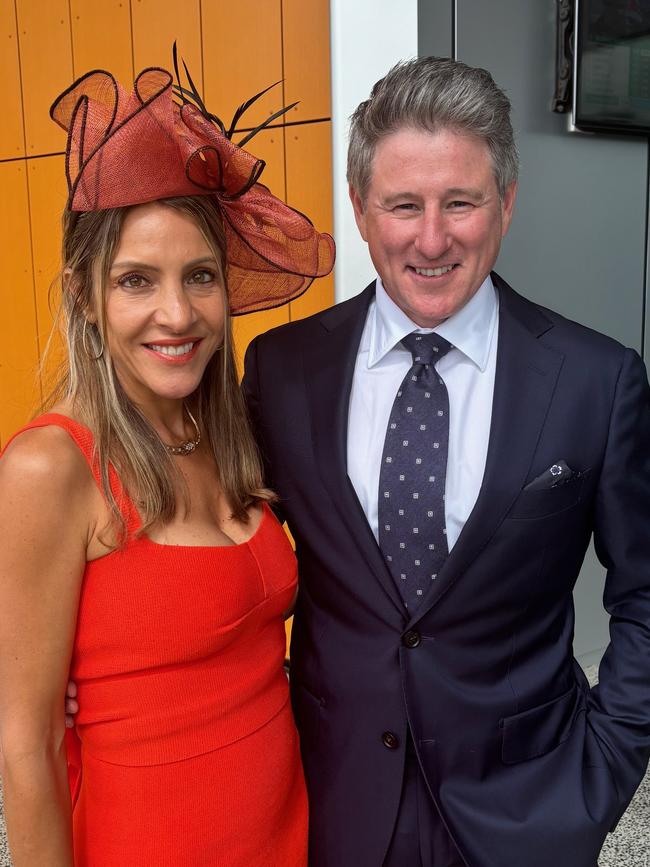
column 429, row 315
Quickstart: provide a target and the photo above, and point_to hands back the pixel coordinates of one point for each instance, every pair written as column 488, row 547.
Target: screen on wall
column 612, row 70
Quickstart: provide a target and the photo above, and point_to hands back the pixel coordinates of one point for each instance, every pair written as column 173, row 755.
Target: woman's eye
column 132, row 281
column 202, row 276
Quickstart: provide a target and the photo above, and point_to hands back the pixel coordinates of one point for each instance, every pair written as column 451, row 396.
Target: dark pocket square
column 557, row 474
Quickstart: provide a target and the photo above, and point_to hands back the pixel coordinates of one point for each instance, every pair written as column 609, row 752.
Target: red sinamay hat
column 126, row 149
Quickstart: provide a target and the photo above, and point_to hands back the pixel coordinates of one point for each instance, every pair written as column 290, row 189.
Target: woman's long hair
column 123, row 436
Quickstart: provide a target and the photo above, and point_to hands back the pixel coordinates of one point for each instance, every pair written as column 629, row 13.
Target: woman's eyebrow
column 131, row 263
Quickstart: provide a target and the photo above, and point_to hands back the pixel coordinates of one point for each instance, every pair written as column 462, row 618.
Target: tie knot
column 426, row 348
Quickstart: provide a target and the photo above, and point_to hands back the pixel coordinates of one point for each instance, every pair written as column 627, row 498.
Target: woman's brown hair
column 123, row 436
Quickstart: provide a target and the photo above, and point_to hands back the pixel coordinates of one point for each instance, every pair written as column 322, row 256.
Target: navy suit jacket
column 526, row 764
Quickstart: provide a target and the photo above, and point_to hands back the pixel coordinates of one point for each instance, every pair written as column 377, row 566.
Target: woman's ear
column 69, row 279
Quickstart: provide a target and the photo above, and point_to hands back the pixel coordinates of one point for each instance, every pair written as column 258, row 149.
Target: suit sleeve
column 250, row 386
column 619, row 707
column 251, row 389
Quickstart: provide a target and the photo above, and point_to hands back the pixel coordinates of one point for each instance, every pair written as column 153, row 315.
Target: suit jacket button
column 411, row 638
column 390, row 740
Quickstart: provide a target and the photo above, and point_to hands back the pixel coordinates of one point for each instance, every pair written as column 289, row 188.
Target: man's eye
column 132, row 281
column 459, row 204
column 405, row 206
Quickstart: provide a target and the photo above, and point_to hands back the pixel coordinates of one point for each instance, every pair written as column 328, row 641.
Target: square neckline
column 263, row 518
column 134, row 536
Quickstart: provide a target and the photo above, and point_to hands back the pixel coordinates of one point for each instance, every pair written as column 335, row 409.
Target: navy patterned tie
column 412, row 534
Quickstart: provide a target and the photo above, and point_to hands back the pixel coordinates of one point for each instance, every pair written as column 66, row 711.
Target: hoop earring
column 84, row 343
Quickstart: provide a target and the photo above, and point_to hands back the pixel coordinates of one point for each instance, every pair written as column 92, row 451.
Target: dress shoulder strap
column 85, row 442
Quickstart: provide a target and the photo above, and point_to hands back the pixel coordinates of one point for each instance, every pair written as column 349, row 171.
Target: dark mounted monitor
column 611, row 91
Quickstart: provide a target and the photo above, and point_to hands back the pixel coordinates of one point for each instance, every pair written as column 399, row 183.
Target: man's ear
column 359, row 211
column 507, row 207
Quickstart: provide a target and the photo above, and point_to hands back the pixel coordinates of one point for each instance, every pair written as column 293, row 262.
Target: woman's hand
column 71, row 704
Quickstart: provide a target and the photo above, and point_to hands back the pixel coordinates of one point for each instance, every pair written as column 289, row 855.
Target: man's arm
column 252, row 395
column 619, row 707
column 250, row 384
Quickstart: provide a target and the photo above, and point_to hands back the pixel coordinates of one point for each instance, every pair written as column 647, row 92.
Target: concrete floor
column 629, row 845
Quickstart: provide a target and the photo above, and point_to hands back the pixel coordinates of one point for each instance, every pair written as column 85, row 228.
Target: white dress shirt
column 468, row 372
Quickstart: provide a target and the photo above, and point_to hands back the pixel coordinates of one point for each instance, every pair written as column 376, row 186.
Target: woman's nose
column 175, row 309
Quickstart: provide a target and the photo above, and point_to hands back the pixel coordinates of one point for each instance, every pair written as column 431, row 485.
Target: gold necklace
column 187, row 446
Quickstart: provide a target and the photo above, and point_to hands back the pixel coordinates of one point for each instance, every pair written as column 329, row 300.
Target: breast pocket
column 551, row 501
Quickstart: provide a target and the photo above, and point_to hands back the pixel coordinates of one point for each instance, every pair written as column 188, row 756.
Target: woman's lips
column 174, row 351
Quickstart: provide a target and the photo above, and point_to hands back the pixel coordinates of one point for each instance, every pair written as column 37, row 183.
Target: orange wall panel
column 48, row 192
column 12, row 137
column 287, row 630
column 319, row 296
column 19, row 387
column 46, row 62
column 157, row 24
column 232, row 51
column 306, row 38
column 101, row 38
column 309, row 189
column 242, row 55
column 268, row 145
column 247, row 327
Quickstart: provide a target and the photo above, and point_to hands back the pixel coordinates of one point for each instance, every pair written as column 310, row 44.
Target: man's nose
column 433, row 238
column 174, row 310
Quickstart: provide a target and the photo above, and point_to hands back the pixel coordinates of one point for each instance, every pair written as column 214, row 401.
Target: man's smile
column 432, row 272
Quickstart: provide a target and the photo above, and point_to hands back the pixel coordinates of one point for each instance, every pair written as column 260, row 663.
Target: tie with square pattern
column 412, row 534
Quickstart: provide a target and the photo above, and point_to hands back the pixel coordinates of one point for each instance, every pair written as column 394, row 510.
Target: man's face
column 433, row 220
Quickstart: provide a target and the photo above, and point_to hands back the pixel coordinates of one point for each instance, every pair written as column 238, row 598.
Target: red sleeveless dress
column 186, row 753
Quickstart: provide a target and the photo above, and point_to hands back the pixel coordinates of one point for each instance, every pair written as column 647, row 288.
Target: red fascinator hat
column 130, row 148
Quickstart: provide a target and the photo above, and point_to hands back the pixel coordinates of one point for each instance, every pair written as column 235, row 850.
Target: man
column 444, row 450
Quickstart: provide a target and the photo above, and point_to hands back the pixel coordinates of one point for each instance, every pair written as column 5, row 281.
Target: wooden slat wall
column 232, row 51
column 19, row 386
column 12, row 133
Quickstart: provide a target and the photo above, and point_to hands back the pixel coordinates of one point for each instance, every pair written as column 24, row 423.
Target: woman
column 139, row 551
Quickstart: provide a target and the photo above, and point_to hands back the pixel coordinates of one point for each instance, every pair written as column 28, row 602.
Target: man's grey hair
column 433, row 93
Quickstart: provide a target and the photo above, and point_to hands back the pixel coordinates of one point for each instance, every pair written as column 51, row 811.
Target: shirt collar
column 470, row 329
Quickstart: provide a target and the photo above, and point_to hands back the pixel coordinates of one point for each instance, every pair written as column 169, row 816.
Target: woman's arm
column 44, row 532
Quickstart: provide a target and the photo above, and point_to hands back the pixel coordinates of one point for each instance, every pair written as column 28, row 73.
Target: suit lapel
column 525, row 380
column 329, row 368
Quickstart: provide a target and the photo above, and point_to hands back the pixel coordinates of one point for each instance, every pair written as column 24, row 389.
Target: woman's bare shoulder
column 44, row 458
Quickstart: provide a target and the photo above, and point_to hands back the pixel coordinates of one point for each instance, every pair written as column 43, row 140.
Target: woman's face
column 165, row 306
